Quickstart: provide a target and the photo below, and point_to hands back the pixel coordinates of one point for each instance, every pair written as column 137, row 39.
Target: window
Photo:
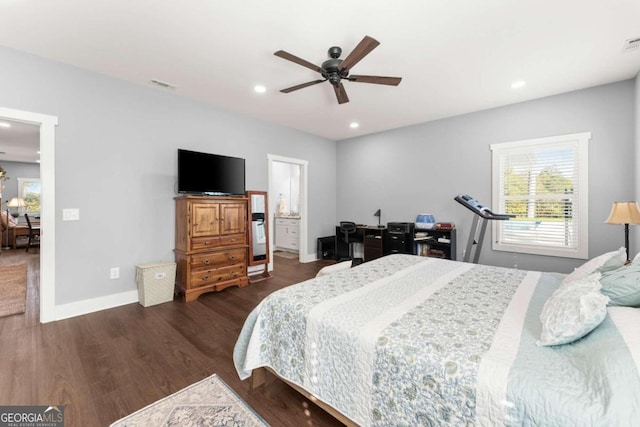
column 29, row 190
column 544, row 183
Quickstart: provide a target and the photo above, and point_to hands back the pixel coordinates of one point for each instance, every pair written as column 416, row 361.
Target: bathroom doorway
column 288, row 205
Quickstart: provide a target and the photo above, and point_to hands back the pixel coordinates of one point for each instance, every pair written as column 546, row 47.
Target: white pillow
column 573, row 311
column 333, row 268
column 605, row 262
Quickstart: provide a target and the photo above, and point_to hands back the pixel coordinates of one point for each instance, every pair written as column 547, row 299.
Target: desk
column 23, row 230
column 370, row 235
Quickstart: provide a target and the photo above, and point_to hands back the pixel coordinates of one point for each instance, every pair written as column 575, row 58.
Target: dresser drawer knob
column 232, row 257
column 206, row 261
column 205, row 277
column 206, row 242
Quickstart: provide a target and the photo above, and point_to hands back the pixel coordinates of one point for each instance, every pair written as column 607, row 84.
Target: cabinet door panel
column 205, row 219
column 232, row 218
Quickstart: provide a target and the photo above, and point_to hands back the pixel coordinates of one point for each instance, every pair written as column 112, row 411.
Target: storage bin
column 326, row 247
column 155, row 282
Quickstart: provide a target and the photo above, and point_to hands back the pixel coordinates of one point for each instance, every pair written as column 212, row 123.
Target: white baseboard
column 78, row 308
column 309, row 258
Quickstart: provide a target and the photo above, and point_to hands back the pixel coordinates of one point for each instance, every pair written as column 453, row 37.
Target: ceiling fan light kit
column 335, row 69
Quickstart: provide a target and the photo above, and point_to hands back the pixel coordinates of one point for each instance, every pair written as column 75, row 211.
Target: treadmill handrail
column 478, row 209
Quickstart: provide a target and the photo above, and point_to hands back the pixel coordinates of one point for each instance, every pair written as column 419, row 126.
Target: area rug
column 210, row 402
column 13, row 289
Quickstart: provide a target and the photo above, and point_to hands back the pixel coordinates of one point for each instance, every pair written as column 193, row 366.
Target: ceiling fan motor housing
column 332, row 70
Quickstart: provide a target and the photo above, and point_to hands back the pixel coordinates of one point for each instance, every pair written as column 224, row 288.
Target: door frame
column 47, row 126
column 303, row 256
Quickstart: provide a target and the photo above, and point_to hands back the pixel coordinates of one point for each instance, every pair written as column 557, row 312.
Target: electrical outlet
column 114, row 273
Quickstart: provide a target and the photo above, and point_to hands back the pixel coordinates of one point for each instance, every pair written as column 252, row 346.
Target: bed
column 410, row 341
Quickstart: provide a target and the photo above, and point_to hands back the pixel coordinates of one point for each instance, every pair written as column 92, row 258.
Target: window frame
column 21, row 184
column 581, row 143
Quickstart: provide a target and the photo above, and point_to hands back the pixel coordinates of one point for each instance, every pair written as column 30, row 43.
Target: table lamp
column 15, row 202
column 624, row 213
column 378, row 214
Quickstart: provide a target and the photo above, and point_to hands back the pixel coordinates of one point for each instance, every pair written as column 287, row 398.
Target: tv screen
column 210, row 174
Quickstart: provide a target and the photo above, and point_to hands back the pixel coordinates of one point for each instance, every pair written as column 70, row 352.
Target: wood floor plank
column 103, row 366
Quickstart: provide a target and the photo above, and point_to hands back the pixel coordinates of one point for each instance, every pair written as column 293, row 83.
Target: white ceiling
column 454, row 56
column 20, row 142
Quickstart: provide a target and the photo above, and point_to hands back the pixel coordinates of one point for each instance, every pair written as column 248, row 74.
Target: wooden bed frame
column 259, row 377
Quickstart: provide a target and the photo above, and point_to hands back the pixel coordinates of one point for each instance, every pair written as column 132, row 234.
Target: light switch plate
column 71, row 214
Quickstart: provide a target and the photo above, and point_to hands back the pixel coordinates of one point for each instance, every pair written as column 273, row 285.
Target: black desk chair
column 348, row 231
column 32, row 234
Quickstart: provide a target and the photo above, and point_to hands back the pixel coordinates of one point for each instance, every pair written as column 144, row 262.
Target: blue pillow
column 622, row 285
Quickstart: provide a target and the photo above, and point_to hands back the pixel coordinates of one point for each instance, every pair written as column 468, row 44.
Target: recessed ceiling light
column 518, row 84
column 354, row 125
column 260, row 88
column 5, row 125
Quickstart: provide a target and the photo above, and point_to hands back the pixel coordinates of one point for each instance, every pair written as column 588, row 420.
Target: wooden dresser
column 211, row 244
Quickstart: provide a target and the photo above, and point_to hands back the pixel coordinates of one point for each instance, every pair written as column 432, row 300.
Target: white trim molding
column 48, row 209
column 304, row 213
column 78, row 308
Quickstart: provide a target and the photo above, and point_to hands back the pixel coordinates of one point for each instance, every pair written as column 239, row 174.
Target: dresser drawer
column 211, row 276
column 217, row 259
column 232, row 240
column 199, row 243
column 287, row 222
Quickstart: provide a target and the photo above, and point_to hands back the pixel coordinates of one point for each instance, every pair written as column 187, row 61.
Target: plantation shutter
column 543, row 183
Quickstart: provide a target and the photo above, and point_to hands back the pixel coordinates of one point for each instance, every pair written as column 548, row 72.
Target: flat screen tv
column 210, row 174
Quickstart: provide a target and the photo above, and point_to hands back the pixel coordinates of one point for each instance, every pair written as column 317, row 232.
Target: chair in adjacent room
column 34, row 233
column 348, row 231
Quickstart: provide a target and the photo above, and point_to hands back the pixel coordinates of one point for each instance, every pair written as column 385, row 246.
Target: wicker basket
column 155, row 282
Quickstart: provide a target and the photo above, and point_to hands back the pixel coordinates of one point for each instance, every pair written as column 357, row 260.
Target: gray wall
column 116, row 161
column 419, row 169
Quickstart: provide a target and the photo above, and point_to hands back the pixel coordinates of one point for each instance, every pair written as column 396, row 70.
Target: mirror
column 258, row 229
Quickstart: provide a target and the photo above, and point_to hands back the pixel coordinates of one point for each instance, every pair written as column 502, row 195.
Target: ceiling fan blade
column 341, row 94
column 289, row 57
column 366, row 45
column 301, row 86
column 380, row 80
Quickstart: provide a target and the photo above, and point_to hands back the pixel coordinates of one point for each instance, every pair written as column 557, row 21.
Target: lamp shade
column 624, row 213
column 16, row 202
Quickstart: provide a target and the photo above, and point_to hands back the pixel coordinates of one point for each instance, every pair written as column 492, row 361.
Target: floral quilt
column 412, row 341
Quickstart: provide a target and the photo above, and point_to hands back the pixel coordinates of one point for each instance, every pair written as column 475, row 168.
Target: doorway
column 47, row 125
column 298, row 206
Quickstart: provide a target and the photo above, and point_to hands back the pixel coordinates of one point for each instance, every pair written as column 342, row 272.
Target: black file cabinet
column 399, row 238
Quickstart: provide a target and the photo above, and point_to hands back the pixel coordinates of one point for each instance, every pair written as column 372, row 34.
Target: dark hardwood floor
column 105, row 365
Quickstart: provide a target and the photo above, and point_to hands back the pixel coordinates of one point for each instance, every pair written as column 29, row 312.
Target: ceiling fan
column 335, row 70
